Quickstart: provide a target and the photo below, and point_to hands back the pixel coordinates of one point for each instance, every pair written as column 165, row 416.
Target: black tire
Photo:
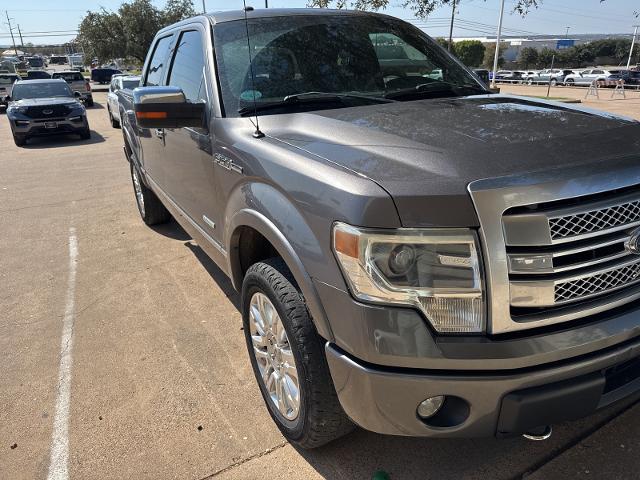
column 152, row 211
column 90, row 102
column 320, row 418
column 19, row 140
column 85, row 134
column 114, row 123
column 569, row 82
column 553, row 82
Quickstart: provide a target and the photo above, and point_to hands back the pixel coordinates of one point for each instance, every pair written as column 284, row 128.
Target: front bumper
column 38, row 127
column 482, row 404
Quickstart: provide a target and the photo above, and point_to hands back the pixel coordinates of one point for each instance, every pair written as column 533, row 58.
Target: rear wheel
column 150, row 207
column 90, row 102
column 553, row 82
column 569, row 81
column 114, row 123
column 288, row 359
column 530, row 81
column 85, row 134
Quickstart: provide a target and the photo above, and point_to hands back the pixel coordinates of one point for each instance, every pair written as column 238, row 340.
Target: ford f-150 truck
column 414, row 254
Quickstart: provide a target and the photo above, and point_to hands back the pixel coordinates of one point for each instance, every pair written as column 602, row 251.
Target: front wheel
column 90, row 102
column 530, row 81
column 114, row 123
column 288, row 359
column 553, row 82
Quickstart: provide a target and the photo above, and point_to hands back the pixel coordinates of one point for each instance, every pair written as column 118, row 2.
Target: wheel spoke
column 259, row 342
column 269, row 377
column 292, row 396
column 280, row 395
column 262, row 356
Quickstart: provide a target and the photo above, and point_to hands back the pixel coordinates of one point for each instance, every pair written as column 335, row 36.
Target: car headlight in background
column 18, row 109
column 436, row 270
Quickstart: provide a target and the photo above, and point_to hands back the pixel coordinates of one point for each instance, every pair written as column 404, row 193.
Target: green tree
column 469, row 52
column 129, row 31
column 420, row 8
column 545, row 57
column 176, row 10
column 528, row 56
column 490, row 53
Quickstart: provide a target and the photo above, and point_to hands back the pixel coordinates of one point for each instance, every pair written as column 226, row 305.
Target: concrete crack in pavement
column 245, row 460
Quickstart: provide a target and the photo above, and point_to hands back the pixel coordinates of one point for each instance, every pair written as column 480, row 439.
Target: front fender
column 272, row 231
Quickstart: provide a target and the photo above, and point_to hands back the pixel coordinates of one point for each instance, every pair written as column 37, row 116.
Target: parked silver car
column 78, row 83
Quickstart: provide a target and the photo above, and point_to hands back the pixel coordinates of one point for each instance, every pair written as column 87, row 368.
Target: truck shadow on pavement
column 69, row 140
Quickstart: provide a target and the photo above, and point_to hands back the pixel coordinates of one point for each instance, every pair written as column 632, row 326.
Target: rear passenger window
column 187, row 70
column 158, row 62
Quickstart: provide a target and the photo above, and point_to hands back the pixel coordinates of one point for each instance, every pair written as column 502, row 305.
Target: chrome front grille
column 595, row 220
column 592, row 285
column 571, row 254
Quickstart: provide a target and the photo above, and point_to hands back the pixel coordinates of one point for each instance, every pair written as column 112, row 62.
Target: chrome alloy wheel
column 138, row 189
column 274, row 356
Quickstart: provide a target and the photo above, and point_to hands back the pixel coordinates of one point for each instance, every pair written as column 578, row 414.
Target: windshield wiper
column 437, row 87
column 311, row 97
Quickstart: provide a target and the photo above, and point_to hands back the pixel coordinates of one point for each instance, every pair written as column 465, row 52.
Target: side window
column 598, row 72
column 187, row 69
column 158, row 62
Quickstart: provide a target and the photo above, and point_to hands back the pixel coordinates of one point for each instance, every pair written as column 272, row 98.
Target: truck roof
column 229, row 16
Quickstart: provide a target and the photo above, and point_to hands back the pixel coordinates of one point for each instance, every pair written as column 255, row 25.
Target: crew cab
column 412, row 254
column 43, row 108
column 78, row 83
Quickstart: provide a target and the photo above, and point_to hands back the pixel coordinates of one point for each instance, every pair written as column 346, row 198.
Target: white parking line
column 59, row 461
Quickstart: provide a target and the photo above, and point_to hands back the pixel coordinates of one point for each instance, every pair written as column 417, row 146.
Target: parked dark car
column 37, row 75
column 45, row 107
column 630, row 77
column 7, row 81
column 103, row 75
column 412, row 253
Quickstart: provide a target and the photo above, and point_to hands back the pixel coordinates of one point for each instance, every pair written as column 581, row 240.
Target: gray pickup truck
column 415, row 255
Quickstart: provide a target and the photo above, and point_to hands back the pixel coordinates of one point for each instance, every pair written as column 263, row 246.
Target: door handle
column 159, row 133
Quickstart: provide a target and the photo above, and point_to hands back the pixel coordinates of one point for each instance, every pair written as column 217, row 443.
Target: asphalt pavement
column 121, row 345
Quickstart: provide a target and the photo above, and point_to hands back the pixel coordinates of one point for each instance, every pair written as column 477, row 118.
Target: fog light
column 429, row 407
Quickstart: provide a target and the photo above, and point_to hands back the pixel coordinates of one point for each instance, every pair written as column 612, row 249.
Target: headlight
column 436, row 270
column 18, row 109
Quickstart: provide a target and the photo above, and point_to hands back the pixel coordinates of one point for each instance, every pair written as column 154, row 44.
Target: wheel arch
column 246, row 219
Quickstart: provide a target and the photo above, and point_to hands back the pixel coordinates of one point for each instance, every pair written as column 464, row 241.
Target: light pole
column 495, row 59
column 453, row 16
column 566, row 36
column 633, row 44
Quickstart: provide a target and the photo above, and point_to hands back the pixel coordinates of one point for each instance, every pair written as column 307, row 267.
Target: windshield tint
column 341, row 54
column 69, row 77
column 40, row 90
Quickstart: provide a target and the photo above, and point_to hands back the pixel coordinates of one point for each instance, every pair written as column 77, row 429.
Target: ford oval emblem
column 47, row 112
column 633, row 244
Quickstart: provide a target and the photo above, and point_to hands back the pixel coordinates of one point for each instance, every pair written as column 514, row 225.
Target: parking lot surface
column 160, row 382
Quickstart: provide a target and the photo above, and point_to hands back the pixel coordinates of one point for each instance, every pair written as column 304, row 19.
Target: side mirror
column 77, row 94
column 7, row 99
column 166, row 107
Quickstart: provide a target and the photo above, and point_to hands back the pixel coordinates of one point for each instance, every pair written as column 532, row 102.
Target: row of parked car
column 76, row 82
column 558, row 76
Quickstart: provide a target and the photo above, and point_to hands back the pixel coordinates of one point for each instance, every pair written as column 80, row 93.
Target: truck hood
column 425, row 153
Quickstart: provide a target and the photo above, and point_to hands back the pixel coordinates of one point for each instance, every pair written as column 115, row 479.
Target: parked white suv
column 118, row 82
column 587, row 77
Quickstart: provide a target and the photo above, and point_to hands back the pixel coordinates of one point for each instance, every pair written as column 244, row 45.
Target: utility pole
column 13, row 40
column 633, row 44
column 20, row 34
column 495, row 59
column 266, row 3
column 566, row 36
column 453, row 16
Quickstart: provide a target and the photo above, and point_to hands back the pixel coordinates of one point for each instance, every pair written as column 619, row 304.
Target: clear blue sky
column 61, row 17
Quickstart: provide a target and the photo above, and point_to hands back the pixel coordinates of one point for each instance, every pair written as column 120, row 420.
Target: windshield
column 362, row 56
column 130, row 84
column 37, row 74
column 35, row 62
column 40, row 90
column 69, row 77
column 7, row 79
